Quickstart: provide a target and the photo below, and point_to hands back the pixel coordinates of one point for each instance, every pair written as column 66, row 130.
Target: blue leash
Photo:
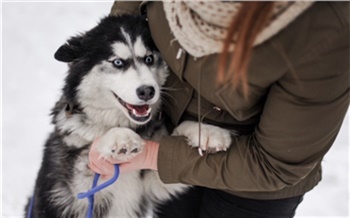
column 90, row 194
column 30, row 209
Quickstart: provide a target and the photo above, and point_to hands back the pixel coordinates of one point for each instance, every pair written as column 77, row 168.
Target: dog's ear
column 70, row 50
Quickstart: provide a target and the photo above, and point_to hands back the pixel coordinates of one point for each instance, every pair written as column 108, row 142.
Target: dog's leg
column 210, row 138
column 120, row 144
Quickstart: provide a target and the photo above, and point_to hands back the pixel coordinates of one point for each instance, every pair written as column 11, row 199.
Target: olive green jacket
column 299, row 95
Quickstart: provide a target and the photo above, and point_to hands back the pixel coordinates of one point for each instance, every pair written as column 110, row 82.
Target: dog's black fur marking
column 64, row 157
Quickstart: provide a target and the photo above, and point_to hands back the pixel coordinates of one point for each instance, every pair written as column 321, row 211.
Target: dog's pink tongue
column 140, row 109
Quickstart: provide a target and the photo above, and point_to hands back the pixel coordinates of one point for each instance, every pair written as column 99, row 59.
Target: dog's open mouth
column 140, row 113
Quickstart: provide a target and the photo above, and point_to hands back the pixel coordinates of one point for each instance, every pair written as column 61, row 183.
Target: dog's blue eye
column 149, row 59
column 119, row 63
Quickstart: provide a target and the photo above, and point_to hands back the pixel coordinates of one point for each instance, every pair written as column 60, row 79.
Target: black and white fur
column 113, row 90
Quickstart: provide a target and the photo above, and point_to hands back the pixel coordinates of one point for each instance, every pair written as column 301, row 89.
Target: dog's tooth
column 149, row 110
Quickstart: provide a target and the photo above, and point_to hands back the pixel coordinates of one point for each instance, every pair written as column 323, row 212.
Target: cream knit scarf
column 200, row 26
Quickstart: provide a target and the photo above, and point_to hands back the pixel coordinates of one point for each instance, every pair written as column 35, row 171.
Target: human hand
column 99, row 164
column 146, row 159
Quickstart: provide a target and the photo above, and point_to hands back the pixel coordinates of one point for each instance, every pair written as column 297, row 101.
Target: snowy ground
column 31, row 82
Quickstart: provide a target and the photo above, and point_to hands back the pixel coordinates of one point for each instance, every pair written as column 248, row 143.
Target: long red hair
column 250, row 20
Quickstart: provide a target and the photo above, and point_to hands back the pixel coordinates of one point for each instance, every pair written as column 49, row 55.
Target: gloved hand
column 147, row 159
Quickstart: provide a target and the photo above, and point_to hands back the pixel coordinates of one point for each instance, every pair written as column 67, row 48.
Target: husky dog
column 112, row 88
column 113, row 84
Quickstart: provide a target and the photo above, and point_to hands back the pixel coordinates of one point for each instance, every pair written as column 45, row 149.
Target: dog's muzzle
column 139, row 113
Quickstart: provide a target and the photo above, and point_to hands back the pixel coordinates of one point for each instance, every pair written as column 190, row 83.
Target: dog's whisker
column 170, row 89
column 164, row 99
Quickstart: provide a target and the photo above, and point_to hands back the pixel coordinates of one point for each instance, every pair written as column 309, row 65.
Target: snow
column 31, row 83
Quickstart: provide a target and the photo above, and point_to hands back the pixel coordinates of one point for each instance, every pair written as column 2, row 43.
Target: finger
column 114, row 161
column 98, row 169
column 101, row 166
column 95, row 169
column 103, row 174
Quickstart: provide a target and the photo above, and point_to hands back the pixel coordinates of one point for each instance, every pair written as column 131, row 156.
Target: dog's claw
column 200, row 152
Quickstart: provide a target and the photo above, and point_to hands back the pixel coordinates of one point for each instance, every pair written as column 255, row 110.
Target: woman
column 285, row 89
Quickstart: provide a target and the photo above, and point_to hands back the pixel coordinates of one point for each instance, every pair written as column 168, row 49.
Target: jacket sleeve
column 125, row 7
column 300, row 121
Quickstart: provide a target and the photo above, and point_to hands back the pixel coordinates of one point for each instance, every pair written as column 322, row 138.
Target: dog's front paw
column 212, row 138
column 120, row 144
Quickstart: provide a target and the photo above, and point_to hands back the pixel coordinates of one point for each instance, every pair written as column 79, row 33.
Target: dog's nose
column 145, row 92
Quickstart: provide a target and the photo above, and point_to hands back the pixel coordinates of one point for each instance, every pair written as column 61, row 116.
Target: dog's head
column 115, row 66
